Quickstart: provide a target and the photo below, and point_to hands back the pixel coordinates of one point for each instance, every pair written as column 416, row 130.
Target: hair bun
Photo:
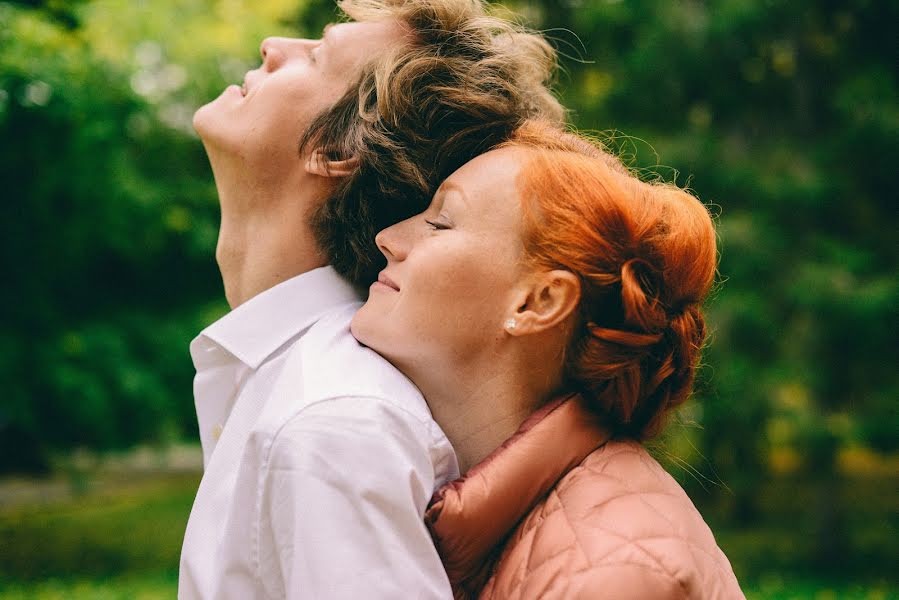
column 640, row 283
column 645, row 253
column 687, row 331
column 624, row 338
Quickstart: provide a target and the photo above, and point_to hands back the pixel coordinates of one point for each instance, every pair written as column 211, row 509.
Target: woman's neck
column 480, row 408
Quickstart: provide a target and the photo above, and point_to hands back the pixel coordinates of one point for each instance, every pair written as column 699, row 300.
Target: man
column 319, row 457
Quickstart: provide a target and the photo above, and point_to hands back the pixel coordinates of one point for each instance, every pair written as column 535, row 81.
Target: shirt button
column 217, row 432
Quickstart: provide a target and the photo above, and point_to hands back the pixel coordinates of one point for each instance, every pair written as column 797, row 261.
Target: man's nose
column 276, row 50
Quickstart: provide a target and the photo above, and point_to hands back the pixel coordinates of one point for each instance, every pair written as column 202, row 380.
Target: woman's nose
column 393, row 241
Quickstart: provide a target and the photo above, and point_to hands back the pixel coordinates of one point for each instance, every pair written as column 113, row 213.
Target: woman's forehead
column 489, row 172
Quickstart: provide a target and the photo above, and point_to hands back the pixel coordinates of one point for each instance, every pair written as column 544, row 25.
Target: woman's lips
column 386, row 281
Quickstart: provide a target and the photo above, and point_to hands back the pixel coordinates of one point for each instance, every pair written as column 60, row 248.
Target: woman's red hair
column 646, row 256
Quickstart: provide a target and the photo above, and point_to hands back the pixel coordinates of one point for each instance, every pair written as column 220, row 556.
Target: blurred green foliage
column 109, row 235
column 781, row 115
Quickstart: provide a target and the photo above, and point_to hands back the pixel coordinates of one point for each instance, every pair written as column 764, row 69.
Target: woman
column 547, row 304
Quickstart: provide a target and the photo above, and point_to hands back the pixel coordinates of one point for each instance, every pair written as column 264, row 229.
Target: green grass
column 120, row 526
column 120, row 538
column 153, row 586
column 780, row 588
column 161, row 586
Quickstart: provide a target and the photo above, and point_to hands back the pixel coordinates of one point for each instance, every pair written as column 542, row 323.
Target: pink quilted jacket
column 558, row 511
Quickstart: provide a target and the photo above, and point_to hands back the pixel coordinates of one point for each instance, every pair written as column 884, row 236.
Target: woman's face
column 452, row 271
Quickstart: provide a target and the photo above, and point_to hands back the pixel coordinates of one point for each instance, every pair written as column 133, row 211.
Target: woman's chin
column 369, row 330
column 360, row 329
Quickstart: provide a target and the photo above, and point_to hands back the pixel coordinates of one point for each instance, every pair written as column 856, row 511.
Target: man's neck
column 253, row 259
column 265, row 237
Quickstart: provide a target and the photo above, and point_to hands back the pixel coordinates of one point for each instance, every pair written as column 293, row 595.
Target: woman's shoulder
column 621, row 522
column 622, row 470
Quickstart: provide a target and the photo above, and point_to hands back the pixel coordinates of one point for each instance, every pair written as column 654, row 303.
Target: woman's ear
column 548, row 301
column 320, row 164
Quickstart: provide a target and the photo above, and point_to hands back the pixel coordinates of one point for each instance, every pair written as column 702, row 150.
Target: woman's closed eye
column 438, row 225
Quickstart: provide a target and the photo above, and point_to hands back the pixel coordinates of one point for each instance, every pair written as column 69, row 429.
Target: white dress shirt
column 320, row 457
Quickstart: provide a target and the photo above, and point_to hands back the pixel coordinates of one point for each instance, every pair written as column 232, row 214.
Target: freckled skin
column 456, row 266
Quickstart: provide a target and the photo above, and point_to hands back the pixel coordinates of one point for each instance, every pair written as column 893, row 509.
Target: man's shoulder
column 336, row 364
column 327, row 363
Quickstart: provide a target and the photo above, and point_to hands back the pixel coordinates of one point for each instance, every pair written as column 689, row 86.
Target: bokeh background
column 782, row 115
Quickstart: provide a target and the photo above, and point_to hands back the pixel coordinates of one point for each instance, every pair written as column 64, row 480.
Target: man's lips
column 249, row 81
column 385, row 280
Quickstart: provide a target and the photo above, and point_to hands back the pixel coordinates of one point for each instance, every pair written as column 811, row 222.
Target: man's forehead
column 385, row 31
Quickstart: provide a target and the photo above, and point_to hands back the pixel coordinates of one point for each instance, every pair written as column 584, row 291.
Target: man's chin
column 203, row 119
column 212, row 114
column 209, row 124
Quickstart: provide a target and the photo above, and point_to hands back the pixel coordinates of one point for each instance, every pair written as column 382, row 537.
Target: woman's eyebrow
column 450, row 188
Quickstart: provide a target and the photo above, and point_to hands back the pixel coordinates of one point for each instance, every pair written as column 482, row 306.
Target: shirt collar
column 255, row 329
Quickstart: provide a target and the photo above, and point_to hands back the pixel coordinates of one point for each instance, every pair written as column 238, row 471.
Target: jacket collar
column 471, row 516
column 257, row 328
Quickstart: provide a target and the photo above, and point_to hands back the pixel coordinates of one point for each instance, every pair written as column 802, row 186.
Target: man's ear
column 548, row 301
column 320, row 164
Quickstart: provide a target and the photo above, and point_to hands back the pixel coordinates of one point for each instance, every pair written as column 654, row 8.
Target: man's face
column 262, row 121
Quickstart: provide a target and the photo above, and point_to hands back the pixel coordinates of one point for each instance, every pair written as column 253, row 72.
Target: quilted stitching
column 616, row 526
column 663, row 478
column 580, row 541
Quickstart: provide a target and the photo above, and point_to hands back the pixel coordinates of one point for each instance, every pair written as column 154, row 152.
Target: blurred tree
column 785, row 115
column 782, row 115
column 107, row 241
column 63, row 11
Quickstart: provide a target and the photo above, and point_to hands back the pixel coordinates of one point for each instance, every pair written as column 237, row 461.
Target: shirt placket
column 216, row 386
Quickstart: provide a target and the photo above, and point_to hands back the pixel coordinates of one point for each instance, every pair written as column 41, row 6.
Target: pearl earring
column 511, row 324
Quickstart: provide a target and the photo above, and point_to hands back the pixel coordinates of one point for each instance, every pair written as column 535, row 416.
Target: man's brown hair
column 462, row 84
